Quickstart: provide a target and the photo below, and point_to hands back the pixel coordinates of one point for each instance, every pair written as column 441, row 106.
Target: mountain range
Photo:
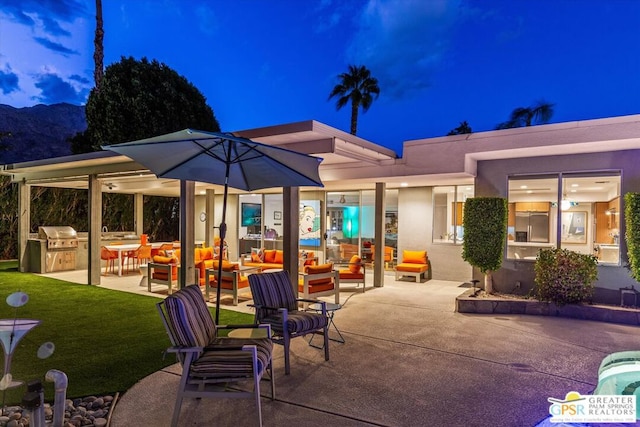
column 38, row 132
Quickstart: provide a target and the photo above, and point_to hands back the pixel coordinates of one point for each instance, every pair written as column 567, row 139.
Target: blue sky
column 268, row 62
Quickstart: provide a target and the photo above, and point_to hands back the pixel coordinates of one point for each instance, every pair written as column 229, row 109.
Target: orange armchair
column 387, row 256
column 319, row 280
column 163, row 270
column 354, row 273
column 233, row 281
column 415, row 264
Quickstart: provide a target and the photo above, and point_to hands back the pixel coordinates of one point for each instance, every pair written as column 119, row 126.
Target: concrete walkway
column 408, row 360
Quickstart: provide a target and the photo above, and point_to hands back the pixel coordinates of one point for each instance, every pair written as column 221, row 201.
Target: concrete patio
column 408, row 360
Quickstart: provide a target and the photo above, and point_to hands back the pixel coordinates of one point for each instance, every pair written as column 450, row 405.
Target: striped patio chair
column 277, row 306
column 209, row 362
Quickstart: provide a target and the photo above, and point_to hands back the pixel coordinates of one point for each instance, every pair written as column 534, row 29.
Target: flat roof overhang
column 120, row 174
column 352, row 163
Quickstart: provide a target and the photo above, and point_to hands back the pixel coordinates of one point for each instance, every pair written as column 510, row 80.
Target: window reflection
column 448, row 213
column 579, row 212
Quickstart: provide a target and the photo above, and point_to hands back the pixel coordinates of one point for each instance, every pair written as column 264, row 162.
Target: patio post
column 379, row 242
column 24, row 224
column 95, row 230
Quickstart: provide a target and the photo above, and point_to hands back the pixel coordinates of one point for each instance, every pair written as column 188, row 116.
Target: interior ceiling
column 594, row 188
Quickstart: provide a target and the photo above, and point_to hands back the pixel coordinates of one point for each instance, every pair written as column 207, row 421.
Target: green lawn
column 105, row 340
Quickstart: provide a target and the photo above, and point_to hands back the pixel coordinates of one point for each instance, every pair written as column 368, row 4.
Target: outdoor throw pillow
column 414, row 257
column 354, row 264
column 206, row 253
column 270, row 255
column 164, row 259
column 315, row 269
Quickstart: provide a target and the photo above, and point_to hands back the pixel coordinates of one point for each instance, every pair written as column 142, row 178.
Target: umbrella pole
column 223, row 234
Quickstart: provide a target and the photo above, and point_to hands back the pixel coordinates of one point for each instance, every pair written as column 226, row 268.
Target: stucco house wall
column 492, row 180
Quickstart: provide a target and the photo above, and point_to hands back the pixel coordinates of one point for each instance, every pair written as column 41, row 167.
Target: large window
column 579, row 212
column 448, row 209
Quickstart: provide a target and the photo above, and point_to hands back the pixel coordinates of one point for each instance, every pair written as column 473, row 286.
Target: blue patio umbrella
column 223, row 159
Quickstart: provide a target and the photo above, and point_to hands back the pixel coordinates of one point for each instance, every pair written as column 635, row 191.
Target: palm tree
column 98, row 53
column 463, row 128
column 541, row 112
column 358, row 87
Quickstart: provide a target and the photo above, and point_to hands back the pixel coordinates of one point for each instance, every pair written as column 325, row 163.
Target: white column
column 378, row 256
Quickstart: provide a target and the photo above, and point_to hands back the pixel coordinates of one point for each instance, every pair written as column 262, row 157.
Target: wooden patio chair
column 210, row 362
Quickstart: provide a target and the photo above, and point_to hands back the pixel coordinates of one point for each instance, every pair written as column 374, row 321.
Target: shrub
column 632, row 233
column 564, row 276
column 485, row 233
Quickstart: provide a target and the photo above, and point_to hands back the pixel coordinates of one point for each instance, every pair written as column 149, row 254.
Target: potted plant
column 485, row 233
column 564, row 276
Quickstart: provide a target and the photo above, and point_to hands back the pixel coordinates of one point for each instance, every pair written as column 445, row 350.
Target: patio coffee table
column 331, row 311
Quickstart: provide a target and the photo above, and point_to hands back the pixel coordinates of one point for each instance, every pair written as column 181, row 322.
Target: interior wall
column 415, row 229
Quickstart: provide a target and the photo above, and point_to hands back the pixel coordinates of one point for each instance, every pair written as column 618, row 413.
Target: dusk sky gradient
column 268, row 62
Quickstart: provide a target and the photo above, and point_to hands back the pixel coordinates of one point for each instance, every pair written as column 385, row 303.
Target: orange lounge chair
column 415, row 264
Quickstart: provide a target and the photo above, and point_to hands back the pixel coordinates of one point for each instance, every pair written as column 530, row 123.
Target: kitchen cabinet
column 457, row 213
column 532, row 206
column 511, row 219
column 602, row 223
column 614, row 213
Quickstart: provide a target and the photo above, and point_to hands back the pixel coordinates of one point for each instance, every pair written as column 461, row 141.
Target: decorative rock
column 78, row 413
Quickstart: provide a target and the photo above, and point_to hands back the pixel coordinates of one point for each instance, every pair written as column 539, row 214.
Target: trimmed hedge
column 485, row 232
column 632, row 232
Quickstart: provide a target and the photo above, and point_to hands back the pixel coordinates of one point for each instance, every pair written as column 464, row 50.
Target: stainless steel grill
column 61, row 247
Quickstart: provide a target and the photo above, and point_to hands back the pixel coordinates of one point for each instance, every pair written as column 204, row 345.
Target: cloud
column 80, row 79
column 328, row 16
column 206, row 18
column 54, row 89
column 44, row 18
column 56, row 47
column 8, row 81
column 402, row 42
column 24, row 11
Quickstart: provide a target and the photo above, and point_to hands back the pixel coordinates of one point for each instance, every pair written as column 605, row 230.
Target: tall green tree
column 98, row 47
column 538, row 113
column 358, row 87
column 462, row 129
column 141, row 99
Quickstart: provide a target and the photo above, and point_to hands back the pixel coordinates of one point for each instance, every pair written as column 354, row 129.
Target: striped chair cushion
column 297, row 321
column 273, row 290
column 190, row 318
column 233, row 363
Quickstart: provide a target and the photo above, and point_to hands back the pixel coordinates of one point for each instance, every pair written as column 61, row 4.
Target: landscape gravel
column 92, row 411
